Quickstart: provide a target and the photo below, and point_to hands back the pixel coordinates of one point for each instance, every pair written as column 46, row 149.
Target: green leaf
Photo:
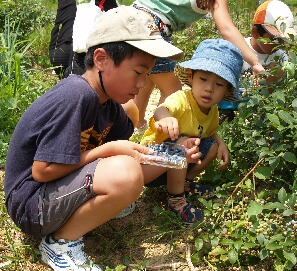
column 290, row 257
column 218, row 251
column 273, row 118
column 12, row 103
column 288, row 212
column 198, row 244
column 249, row 245
column 290, row 157
column 273, row 162
column 254, row 208
column 274, row 205
column 207, row 204
column 285, row 116
column 227, row 242
column 263, row 254
column 261, row 238
column 273, row 246
column 263, row 173
column 293, row 200
column 294, row 104
column 282, row 195
column 277, row 237
column 290, row 68
column 233, row 256
column 238, row 244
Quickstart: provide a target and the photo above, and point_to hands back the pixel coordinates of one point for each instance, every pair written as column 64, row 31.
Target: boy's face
column 270, row 46
column 122, row 83
column 208, row 89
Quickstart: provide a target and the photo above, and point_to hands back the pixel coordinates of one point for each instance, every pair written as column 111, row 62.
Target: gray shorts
column 62, row 197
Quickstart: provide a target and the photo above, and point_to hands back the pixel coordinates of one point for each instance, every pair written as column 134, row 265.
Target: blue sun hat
column 218, row 56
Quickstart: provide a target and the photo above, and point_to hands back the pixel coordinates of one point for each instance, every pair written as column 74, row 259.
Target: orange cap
column 276, row 17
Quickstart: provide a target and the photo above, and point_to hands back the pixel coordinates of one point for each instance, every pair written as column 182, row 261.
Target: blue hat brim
column 211, row 65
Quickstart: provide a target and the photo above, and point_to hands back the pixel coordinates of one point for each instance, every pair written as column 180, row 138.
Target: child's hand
column 223, row 156
column 193, row 154
column 168, row 126
column 257, row 67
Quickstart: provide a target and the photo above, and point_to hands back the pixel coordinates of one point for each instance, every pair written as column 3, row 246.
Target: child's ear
column 230, row 92
column 255, row 33
column 190, row 75
column 100, row 56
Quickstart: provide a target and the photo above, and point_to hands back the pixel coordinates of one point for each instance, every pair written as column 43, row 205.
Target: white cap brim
column 158, row 48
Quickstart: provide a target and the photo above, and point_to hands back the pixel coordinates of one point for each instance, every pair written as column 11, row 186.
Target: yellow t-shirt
column 192, row 122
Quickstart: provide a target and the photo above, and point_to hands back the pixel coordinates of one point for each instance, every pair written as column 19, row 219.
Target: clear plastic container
column 165, row 154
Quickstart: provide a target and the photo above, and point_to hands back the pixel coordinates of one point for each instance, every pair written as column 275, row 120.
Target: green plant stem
column 243, row 179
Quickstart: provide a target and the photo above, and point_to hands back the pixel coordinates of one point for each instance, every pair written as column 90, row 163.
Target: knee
column 119, row 176
column 213, row 150
column 132, row 178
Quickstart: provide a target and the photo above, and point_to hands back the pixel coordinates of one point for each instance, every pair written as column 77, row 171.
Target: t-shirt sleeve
column 60, row 120
column 175, row 103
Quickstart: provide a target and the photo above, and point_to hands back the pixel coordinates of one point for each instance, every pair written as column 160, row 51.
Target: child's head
column 217, row 56
column 276, row 19
column 131, row 26
column 273, row 21
column 214, row 71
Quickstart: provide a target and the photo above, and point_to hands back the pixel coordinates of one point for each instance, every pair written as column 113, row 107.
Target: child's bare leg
column 114, row 193
column 197, row 169
column 142, row 99
column 176, row 180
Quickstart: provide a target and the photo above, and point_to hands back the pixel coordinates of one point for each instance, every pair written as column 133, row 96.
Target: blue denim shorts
column 204, row 148
column 163, row 65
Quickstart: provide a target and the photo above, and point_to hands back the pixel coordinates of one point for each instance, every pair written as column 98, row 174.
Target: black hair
column 260, row 29
column 118, row 51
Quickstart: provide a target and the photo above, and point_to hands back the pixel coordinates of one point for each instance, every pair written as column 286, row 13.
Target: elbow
column 38, row 177
column 39, row 172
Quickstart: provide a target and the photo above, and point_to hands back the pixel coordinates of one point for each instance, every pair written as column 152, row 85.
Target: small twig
column 245, row 177
column 172, row 266
column 210, row 265
column 188, row 257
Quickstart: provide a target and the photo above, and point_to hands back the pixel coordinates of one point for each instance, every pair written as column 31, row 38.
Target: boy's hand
column 168, row 126
column 192, row 154
column 125, row 147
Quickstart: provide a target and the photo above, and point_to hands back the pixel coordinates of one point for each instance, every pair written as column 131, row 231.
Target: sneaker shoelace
column 78, row 256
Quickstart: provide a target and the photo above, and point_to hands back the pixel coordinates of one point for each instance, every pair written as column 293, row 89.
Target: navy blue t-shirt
column 60, row 124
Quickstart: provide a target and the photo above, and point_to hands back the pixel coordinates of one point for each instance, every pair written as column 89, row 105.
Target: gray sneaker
column 65, row 255
column 127, row 211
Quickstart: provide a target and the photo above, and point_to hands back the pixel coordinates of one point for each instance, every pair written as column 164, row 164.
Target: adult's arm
column 229, row 32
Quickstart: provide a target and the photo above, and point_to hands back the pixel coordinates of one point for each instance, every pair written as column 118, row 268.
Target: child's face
column 208, row 89
column 270, row 46
column 123, row 82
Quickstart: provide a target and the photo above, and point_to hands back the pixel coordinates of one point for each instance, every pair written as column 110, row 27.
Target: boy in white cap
column 70, row 166
column 213, row 71
column 273, row 21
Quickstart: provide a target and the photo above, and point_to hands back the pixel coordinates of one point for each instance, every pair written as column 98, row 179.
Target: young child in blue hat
column 213, row 71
